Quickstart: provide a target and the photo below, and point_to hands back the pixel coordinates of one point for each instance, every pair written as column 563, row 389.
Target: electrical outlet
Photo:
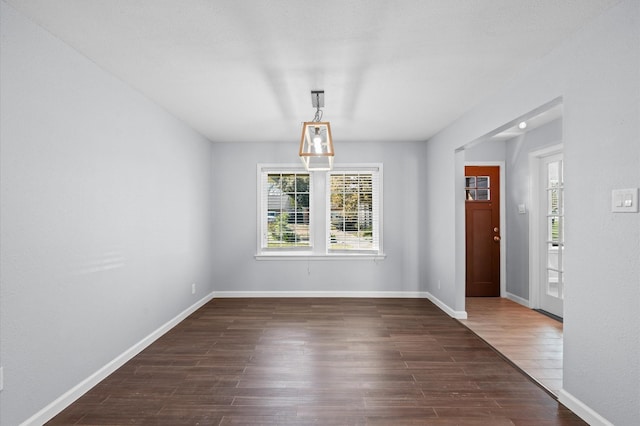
column 193, row 288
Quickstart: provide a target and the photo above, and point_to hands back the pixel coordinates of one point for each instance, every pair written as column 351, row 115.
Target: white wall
column 105, row 218
column 597, row 72
column 491, row 150
column 235, row 228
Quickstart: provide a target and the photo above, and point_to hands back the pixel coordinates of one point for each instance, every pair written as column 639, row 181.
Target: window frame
column 319, row 223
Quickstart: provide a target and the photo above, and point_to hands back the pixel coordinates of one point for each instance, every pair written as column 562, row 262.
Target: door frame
column 535, row 265
column 503, row 220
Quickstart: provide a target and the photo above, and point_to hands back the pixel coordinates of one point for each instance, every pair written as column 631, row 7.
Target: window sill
column 307, row 256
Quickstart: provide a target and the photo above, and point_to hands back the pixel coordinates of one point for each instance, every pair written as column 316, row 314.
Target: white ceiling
column 242, row 70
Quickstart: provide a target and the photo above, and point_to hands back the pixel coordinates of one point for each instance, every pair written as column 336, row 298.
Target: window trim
column 318, row 246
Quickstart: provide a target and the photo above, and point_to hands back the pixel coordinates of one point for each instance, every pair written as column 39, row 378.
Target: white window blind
column 285, row 210
column 354, row 214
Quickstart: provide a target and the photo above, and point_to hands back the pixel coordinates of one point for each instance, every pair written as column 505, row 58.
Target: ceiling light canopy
column 316, row 144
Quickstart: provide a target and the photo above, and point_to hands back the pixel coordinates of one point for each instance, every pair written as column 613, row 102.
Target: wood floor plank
column 318, row 362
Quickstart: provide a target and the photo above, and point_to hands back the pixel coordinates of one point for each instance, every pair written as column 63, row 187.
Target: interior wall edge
column 446, row 308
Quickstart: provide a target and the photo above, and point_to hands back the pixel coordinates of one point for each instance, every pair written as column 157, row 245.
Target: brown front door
column 482, row 216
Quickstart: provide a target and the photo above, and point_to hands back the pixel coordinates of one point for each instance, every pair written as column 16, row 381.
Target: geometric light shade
column 316, row 145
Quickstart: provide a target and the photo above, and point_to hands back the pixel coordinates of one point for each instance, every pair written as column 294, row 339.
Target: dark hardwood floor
column 318, row 361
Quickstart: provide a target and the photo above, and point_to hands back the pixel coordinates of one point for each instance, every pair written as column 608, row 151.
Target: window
column 354, row 211
column 290, row 224
column 285, row 210
column 477, row 188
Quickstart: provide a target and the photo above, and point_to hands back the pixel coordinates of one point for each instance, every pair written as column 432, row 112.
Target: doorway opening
column 522, row 148
column 509, row 147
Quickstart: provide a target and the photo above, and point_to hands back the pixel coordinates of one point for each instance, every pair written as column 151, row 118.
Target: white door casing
column 546, row 230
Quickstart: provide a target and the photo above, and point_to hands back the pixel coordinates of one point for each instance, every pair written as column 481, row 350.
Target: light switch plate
column 624, row 200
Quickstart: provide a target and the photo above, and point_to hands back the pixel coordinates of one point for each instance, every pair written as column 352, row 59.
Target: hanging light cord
column 319, row 112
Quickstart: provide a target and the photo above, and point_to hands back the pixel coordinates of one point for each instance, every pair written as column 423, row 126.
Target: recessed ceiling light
column 522, row 125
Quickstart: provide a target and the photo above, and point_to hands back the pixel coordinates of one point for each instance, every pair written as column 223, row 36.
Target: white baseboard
column 363, row 294
column 66, row 399
column 440, row 304
column 581, row 409
column 522, row 301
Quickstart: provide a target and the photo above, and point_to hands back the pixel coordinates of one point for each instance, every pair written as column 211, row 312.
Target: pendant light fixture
column 316, row 144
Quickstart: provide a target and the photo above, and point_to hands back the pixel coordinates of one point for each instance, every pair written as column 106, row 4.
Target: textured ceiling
column 242, row 70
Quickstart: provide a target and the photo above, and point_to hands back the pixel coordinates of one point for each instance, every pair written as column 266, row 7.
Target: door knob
column 496, row 238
